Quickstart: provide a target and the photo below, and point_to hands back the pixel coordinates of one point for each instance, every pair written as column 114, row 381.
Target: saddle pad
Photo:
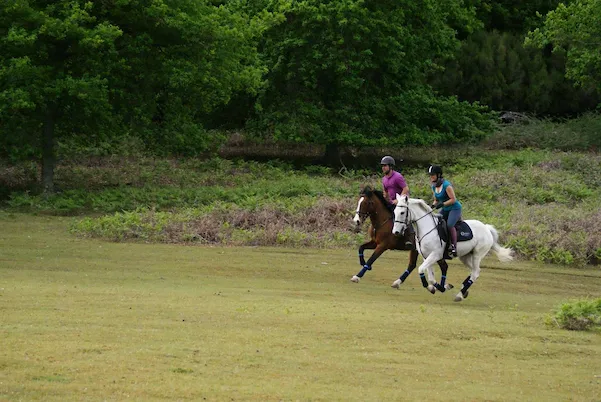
column 464, row 232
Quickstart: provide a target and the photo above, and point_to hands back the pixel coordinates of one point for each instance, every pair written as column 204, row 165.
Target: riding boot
column 453, row 233
column 408, row 239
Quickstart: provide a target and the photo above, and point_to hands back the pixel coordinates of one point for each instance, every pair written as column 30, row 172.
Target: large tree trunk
column 331, row 156
column 48, row 153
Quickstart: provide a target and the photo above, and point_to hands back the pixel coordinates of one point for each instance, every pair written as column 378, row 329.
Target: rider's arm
column 385, row 192
column 451, row 194
column 402, row 183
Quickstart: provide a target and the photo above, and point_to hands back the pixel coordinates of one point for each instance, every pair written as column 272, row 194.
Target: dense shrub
column 579, row 315
column 581, row 134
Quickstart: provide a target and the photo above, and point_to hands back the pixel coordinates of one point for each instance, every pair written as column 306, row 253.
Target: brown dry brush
column 556, row 234
column 316, row 226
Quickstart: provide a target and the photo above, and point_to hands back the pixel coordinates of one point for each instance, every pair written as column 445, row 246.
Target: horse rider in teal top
column 445, row 199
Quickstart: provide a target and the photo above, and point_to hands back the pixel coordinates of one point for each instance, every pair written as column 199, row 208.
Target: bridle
column 409, row 221
column 364, row 215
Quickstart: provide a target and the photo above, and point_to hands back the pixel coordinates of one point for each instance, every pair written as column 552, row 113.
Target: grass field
column 90, row 320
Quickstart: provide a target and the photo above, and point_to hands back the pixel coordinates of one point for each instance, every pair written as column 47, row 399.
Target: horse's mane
column 368, row 191
column 422, row 204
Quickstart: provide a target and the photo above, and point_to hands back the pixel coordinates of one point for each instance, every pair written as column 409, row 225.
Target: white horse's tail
column 504, row 254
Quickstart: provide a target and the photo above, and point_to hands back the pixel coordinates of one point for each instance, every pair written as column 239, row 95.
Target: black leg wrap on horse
column 361, row 258
column 364, row 270
column 466, row 285
column 440, row 286
column 404, row 276
column 424, row 281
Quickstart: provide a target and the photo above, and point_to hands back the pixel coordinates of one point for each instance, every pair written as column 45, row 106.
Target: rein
column 419, row 239
column 373, row 221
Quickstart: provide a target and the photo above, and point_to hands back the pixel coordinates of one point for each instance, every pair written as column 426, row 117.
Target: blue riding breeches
column 452, row 217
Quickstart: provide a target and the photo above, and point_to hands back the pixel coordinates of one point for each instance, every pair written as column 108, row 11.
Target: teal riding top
column 442, row 196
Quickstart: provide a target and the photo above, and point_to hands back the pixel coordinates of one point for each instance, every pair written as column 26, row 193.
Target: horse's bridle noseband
column 406, row 222
column 362, row 215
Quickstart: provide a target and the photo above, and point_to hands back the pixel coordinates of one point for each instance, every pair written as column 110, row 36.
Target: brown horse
column 373, row 205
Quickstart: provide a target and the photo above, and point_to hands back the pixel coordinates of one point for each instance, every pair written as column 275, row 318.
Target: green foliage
column 182, row 59
column 126, row 225
column 513, row 15
column 495, row 69
column 89, row 75
column 575, row 29
column 580, row 315
column 353, row 72
column 164, row 185
column 569, row 135
column 55, row 63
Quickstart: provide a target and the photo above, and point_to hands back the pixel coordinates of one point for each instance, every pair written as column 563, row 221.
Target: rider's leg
column 454, row 217
column 445, row 255
column 408, row 236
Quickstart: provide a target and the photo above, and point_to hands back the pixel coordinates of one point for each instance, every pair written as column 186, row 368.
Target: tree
column 495, row 69
column 575, row 29
column 513, row 16
column 55, row 61
column 82, row 69
column 344, row 72
column 182, row 60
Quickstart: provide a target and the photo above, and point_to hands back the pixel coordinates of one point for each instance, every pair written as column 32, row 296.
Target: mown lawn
column 90, row 320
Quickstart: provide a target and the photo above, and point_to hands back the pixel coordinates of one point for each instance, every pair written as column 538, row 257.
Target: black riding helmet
column 387, row 160
column 434, row 169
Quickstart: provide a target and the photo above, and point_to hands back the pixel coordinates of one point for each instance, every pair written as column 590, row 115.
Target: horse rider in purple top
column 394, row 183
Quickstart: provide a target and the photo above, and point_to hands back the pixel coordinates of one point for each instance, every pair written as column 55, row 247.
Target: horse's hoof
column 459, row 297
column 431, row 289
column 355, row 279
column 396, row 284
column 448, row 286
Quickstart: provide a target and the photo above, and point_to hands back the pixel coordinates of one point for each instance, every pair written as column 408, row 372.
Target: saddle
column 464, row 232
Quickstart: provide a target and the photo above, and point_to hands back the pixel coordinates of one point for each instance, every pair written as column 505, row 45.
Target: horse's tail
column 504, row 254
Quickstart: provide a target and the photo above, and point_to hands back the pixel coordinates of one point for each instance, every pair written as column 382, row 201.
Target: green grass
column 90, row 320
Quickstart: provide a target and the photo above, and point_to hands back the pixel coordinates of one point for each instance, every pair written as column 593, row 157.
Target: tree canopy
column 354, row 72
column 574, row 29
column 329, row 72
column 87, row 69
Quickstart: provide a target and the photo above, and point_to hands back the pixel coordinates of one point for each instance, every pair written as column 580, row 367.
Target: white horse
column 429, row 244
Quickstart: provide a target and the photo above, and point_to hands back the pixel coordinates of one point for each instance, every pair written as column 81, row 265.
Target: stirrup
column 454, row 251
